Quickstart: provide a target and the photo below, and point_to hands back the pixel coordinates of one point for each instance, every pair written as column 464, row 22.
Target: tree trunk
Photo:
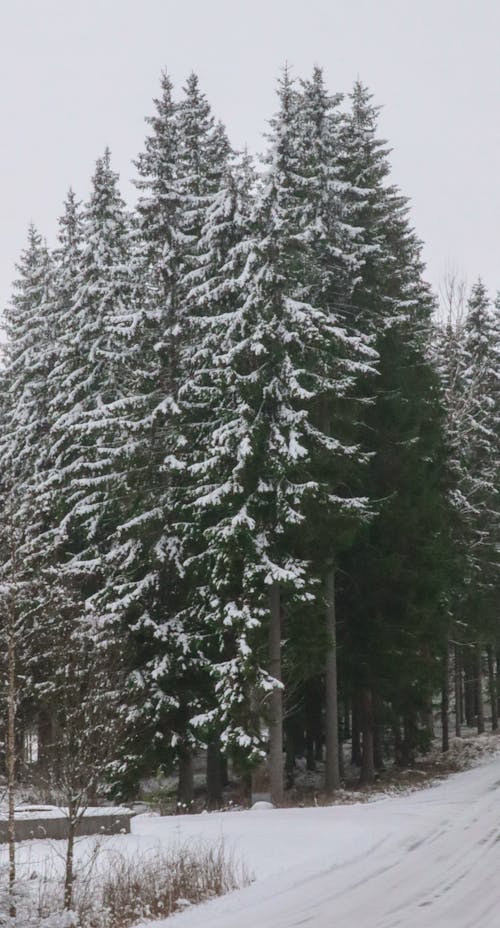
column 378, row 734
column 428, row 714
column 378, row 753
column 492, row 685
column 290, row 763
column 332, row 771
column 479, row 688
column 310, row 727
column 367, row 774
column 341, row 761
column 70, row 851
column 398, row 744
column 470, row 692
column 224, row 771
column 458, row 691
column 246, row 785
column 214, row 775
column 497, row 678
column 410, row 739
column 346, row 726
column 445, row 698
column 185, row 786
column 11, row 764
column 429, row 720
column 355, row 733
column 276, row 714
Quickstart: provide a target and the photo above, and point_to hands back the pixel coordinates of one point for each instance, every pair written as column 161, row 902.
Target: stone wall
column 56, row 826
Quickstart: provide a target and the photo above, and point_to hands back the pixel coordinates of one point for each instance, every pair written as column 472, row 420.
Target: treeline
column 250, row 485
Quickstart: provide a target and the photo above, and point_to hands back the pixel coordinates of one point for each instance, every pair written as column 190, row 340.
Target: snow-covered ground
column 430, row 859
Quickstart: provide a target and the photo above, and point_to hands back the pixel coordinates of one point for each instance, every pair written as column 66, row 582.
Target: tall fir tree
column 179, row 175
column 28, row 356
column 480, row 460
column 93, row 290
column 211, row 431
column 82, row 479
column 398, row 569
column 277, row 358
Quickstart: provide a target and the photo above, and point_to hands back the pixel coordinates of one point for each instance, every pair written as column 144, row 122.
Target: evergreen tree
column 334, row 259
column 93, row 290
column 398, row 570
column 211, row 431
column 480, row 469
column 179, row 174
column 480, row 446
column 28, row 355
column 280, row 356
column 81, row 480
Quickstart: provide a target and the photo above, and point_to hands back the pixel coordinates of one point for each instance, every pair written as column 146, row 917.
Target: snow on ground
column 33, row 812
column 430, row 859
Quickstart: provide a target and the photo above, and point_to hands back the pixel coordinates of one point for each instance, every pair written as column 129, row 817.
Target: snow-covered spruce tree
column 23, row 427
column 450, row 363
column 82, row 480
column 399, row 568
column 481, row 426
column 51, row 618
column 467, row 361
column 179, row 173
column 334, row 258
column 275, row 358
column 329, row 200
column 88, row 380
column 28, row 355
column 203, row 155
column 212, row 430
column 479, row 474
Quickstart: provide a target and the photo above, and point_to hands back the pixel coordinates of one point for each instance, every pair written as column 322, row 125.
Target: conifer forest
column 250, row 466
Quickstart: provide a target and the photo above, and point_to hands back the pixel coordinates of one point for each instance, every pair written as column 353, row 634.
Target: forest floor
column 464, row 752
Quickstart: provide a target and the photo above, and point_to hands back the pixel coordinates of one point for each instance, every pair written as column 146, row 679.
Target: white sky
column 77, row 75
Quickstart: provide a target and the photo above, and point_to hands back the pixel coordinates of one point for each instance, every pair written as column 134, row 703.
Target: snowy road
column 429, row 860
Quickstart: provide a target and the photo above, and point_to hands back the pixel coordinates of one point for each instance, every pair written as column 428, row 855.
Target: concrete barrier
column 53, row 823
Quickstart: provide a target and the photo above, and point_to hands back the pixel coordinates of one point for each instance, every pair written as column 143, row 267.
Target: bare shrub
column 163, row 882
column 122, row 890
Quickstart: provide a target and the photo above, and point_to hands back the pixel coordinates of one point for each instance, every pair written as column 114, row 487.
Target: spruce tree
column 334, row 260
column 398, row 569
column 211, row 431
column 81, row 482
column 480, row 471
column 277, row 356
column 93, row 290
column 179, row 174
column 28, row 355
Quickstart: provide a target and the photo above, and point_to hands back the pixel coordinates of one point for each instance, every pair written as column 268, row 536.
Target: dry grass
column 118, row 890
column 164, row 882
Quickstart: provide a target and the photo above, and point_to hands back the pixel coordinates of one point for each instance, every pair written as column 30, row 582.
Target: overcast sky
column 77, row 75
